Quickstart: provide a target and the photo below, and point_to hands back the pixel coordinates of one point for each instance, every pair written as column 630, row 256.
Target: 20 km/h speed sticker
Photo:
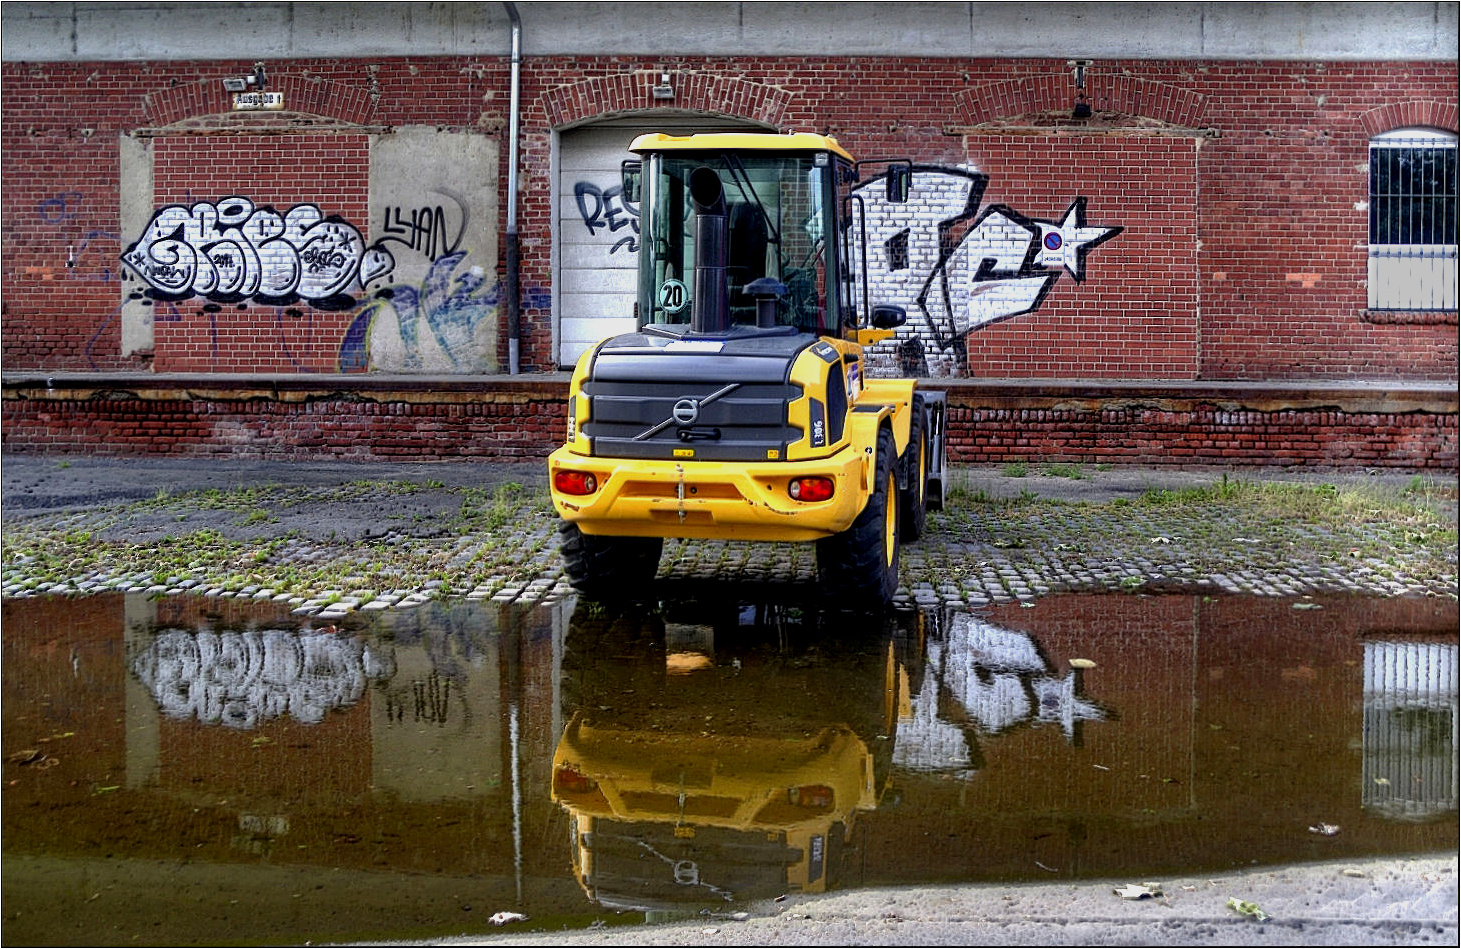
column 673, row 296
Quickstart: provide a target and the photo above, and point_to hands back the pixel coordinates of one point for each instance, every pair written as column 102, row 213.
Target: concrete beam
column 164, row 31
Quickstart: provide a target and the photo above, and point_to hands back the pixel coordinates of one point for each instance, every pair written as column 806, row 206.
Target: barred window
column 1413, row 220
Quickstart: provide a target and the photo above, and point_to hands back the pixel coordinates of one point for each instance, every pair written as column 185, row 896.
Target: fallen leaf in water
column 1246, row 908
column 1324, row 830
column 1138, row 891
column 504, row 917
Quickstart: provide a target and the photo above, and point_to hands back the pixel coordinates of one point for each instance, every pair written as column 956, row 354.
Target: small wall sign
column 257, row 101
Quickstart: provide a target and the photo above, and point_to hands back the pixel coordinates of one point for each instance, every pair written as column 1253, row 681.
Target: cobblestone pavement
column 332, row 538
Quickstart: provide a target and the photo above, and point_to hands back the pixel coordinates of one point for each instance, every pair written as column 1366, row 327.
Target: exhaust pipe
column 711, row 312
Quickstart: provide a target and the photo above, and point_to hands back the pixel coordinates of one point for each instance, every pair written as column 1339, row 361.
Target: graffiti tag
column 438, row 326
column 424, row 229
column 233, row 251
column 606, row 207
column 963, row 268
column 61, row 207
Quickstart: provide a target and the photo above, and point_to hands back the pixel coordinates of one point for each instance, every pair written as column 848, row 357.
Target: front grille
column 641, row 419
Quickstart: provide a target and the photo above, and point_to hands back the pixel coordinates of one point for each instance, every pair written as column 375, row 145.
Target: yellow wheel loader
column 740, row 408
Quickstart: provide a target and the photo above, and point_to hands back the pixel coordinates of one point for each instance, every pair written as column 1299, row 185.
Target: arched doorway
column 596, row 233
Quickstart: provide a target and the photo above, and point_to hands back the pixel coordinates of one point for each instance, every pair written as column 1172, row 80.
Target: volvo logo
column 686, row 412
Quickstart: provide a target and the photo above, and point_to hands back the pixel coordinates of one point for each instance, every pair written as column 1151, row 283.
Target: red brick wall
column 1137, row 310
column 1279, row 192
column 986, row 424
column 330, row 171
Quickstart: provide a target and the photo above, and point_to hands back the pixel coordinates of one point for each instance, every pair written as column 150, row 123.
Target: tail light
column 575, row 482
column 811, row 489
column 570, row 780
column 811, row 795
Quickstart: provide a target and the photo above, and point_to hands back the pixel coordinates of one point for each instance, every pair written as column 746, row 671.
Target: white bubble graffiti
column 233, row 251
column 241, row 679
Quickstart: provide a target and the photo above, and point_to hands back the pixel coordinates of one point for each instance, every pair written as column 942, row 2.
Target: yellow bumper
column 707, row 499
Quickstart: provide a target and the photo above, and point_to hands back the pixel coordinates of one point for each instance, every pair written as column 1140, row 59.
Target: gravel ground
column 332, row 537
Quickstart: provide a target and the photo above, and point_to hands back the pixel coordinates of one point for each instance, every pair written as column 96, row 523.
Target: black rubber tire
column 914, row 499
column 608, row 568
column 858, row 568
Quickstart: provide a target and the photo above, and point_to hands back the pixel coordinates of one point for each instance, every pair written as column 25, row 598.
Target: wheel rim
column 890, row 521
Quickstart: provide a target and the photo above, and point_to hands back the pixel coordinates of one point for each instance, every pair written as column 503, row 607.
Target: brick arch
column 206, row 99
column 1055, row 92
column 694, row 92
column 1417, row 113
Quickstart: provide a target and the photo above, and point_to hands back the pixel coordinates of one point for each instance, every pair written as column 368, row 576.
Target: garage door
column 598, row 232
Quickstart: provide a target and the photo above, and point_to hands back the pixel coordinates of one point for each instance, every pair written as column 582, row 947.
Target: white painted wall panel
column 598, row 238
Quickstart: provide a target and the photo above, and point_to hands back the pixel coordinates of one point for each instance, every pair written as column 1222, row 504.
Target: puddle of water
column 194, row 771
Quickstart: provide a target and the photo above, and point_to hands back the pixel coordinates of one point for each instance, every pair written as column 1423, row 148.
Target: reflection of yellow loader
column 694, row 775
column 740, row 409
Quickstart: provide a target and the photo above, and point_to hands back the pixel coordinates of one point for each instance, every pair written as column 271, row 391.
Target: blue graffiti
column 437, row 326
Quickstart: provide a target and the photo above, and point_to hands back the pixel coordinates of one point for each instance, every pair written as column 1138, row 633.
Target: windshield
column 776, row 215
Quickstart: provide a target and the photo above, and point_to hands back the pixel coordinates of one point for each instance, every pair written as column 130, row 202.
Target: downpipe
column 514, row 312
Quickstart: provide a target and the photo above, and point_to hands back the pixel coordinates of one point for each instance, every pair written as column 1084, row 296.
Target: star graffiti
column 1066, row 244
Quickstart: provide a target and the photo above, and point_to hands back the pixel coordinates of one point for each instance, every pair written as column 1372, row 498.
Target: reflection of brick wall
column 65, row 672
column 1241, row 710
column 278, row 761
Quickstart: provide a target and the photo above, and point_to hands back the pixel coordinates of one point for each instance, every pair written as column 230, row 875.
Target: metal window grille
column 1413, row 221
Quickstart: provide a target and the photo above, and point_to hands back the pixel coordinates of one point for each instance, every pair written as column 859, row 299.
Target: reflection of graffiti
column 995, row 679
column 439, row 326
column 233, row 251
column 606, row 207
column 963, row 269
column 241, row 679
column 424, row 230
column 431, row 701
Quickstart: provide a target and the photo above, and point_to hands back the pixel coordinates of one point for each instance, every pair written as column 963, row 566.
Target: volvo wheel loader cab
column 740, row 408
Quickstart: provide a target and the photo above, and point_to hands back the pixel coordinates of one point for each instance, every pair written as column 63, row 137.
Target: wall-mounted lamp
column 663, row 90
column 1082, row 108
column 257, row 79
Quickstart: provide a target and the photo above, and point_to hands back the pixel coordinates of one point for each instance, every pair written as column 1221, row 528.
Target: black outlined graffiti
column 233, row 251
column 963, row 268
column 606, row 207
column 426, row 230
